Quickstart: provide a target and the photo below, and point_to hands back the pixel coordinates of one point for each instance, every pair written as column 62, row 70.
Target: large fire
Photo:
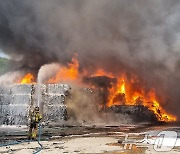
column 124, row 92
column 66, row 73
column 135, row 97
column 27, row 79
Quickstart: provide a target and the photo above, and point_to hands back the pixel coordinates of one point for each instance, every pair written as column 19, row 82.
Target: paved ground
column 109, row 139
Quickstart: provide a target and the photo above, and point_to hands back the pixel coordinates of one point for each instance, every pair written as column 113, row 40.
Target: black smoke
column 103, row 83
column 131, row 36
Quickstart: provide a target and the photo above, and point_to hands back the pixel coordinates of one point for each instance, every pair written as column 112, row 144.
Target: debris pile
column 137, row 113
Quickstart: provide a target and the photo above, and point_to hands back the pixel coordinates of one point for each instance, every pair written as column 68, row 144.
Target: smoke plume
column 132, row 36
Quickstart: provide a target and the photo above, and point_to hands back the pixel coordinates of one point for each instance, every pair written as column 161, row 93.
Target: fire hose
column 24, row 141
column 39, row 138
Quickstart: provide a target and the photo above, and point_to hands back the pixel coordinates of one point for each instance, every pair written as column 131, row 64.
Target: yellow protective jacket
column 35, row 117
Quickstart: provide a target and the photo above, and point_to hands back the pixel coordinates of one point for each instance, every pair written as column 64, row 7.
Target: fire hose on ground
column 24, row 141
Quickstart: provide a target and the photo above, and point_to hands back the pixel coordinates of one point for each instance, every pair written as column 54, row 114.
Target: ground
column 87, row 139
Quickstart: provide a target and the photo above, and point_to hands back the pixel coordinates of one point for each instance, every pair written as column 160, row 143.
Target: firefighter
column 35, row 119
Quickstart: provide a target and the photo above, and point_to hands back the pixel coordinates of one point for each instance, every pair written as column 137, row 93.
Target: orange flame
column 129, row 96
column 126, row 91
column 66, row 73
column 101, row 72
column 123, row 93
column 27, row 79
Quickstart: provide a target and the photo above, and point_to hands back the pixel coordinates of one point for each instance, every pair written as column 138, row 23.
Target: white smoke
column 11, row 78
column 47, row 71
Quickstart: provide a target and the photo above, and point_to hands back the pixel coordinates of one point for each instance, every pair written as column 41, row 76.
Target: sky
column 3, row 55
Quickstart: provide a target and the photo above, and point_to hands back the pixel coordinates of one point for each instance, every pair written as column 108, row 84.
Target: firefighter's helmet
column 36, row 109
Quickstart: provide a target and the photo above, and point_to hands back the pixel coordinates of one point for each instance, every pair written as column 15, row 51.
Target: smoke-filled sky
column 139, row 36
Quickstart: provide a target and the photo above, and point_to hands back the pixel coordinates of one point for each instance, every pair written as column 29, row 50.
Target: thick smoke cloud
column 139, row 36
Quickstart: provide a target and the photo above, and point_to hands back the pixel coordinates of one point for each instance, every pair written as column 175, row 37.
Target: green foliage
column 4, row 65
